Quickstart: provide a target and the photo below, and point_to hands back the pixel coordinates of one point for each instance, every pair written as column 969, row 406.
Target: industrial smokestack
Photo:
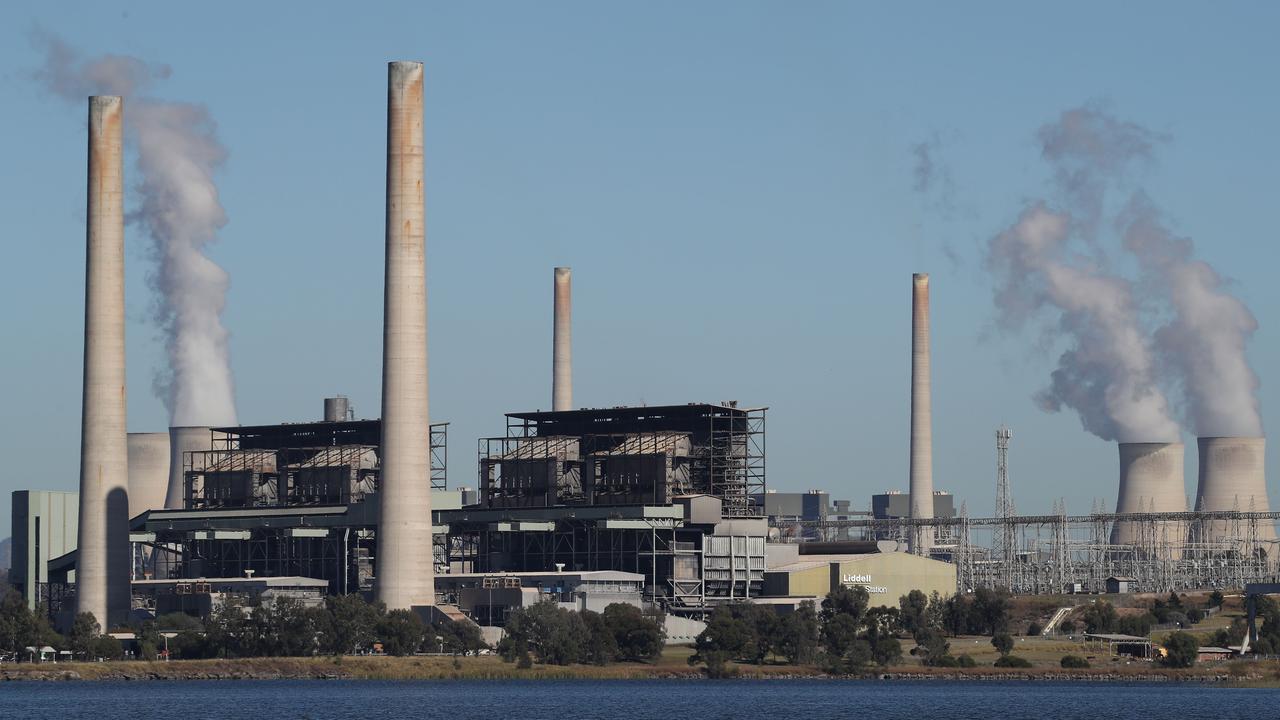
column 1233, row 477
column 562, row 342
column 336, row 409
column 921, row 486
column 102, row 563
column 1151, row 480
column 148, row 471
column 404, row 561
column 183, row 440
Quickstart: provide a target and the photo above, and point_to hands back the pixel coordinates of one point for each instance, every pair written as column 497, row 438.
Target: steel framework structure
column 1058, row 552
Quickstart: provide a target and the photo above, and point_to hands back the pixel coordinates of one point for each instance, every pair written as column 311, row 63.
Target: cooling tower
column 562, row 342
column 102, row 563
column 404, row 562
column 921, row 485
column 1151, row 480
column 1233, row 477
column 183, row 440
column 148, row 471
column 336, row 409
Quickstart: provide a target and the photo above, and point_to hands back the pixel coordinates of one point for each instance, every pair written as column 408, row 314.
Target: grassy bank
column 672, row 665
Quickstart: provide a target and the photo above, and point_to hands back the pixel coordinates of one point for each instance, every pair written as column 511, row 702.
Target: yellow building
column 885, row 576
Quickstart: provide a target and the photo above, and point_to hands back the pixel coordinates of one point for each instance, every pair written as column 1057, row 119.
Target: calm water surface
column 700, row 700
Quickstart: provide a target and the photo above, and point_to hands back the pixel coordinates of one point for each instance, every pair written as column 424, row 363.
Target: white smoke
column 177, row 154
column 1107, row 373
column 1055, row 265
column 1205, row 340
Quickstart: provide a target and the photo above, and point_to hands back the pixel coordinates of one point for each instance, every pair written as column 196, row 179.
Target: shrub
column 1003, row 643
column 1181, row 650
column 965, row 661
column 1067, row 626
column 1073, row 662
column 1034, row 629
column 1012, row 661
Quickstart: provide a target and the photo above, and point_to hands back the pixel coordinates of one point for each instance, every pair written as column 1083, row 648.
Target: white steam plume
column 177, row 154
column 1204, row 342
column 1107, row 374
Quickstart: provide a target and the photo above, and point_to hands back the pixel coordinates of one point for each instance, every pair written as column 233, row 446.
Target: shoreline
column 435, row 668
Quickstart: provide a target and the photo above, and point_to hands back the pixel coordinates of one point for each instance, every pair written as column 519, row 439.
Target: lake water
column 624, row 700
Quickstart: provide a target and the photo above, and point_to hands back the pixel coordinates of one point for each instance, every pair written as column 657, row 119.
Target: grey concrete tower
column 562, row 342
column 183, row 440
column 1151, row 480
column 102, row 563
column 404, row 560
column 1233, row 477
column 148, row 471
column 921, row 487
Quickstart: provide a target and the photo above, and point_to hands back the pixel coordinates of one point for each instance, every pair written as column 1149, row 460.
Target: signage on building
column 865, row 582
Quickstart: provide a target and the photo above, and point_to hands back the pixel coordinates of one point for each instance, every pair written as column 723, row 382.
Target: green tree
column 726, row 637
column 991, row 611
column 914, row 607
column 106, row 647
column 798, row 634
column 401, row 631
column 17, row 623
column 460, row 637
column 1100, row 617
column 554, row 635
column 347, row 624
column 84, row 631
column 1216, row 599
column 934, row 648
column 638, row 637
column 1181, row 650
column 601, row 646
column 1003, row 643
column 844, row 600
column 227, row 631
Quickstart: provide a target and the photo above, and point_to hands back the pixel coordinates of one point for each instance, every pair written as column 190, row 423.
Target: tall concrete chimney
column 562, row 342
column 1151, row 480
column 102, row 563
column 148, row 471
column 405, row 565
column 921, row 486
column 183, row 440
column 1233, row 477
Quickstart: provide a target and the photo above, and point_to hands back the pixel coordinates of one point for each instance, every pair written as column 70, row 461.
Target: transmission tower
column 1004, row 499
column 1006, row 540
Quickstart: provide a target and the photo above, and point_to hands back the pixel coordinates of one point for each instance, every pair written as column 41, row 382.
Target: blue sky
column 732, row 184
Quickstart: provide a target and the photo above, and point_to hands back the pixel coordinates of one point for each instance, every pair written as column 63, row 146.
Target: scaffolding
column 726, row 444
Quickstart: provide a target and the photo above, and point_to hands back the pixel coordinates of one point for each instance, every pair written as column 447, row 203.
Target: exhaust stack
column 1233, row 477
column 921, row 485
column 562, row 342
column 1151, row 480
column 102, row 564
column 405, row 564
